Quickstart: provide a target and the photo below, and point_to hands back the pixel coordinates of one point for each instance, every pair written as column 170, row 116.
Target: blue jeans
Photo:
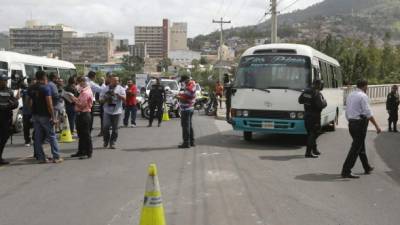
column 110, row 121
column 44, row 130
column 130, row 111
column 187, row 127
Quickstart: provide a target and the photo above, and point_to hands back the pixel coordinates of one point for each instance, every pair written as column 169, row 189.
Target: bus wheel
column 247, row 135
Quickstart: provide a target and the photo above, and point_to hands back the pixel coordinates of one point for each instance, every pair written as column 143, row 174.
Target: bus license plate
column 268, row 125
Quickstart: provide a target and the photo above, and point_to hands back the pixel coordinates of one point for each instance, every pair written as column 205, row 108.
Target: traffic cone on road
column 66, row 136
column 153, row 210
column 165, row 116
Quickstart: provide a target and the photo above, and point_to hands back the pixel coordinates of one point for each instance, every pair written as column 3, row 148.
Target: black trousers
column 187, row 127
column 393, row 118
column 27, row 124
column 5, row 124
column 153, row 106
column 110, row 121
column 358, row 131
column 228, row 108
column 83, row 123
column 313, row 127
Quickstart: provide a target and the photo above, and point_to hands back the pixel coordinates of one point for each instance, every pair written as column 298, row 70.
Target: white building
column 178, row 36
column 183, row 57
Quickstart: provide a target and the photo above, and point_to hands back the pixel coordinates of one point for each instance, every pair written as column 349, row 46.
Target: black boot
column 390, row 126
column 309, row 153
column 395, row 127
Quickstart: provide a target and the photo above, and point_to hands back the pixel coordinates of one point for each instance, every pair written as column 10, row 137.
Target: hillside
column 360, row 19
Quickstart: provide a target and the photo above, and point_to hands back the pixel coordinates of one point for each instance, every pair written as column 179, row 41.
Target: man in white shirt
column 358, row 113
column 113, row 97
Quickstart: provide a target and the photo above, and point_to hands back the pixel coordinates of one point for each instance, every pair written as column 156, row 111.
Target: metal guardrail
column 376, row 93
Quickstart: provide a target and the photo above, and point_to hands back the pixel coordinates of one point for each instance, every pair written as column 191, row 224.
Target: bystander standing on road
column 56, row 97
column 187, row 99
column 358, row 113
column 104, row 82
column 91, row 78
column 130, row 104
column 83, row 107
column 26, row 112
column 43, row 116
column 113, row 97
column 7, row 104
column 219, row 91
column 392, row 106
column 69, row 104
column 156, row 101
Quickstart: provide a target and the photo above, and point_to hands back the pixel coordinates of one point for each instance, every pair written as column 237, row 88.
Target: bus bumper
column 271, row 126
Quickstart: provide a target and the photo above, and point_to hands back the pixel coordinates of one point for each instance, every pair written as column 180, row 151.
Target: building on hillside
column 262, row 41
column 138, row 50
column 89, row 49
column 225, row 53
column 178, row 40
column 40, row 40
column 183, row 57
column 156, row 39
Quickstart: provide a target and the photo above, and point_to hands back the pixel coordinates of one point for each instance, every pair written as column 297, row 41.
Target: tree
column 164, row 64
column 132, row 64
column 203, row 60
column 388, row 55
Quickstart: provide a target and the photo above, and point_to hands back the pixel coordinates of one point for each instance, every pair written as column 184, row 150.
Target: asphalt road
column 224, row 180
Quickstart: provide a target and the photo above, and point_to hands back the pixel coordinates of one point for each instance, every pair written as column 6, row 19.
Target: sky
column 120, row 16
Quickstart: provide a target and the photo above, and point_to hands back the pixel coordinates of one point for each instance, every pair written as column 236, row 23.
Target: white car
column 172, row 84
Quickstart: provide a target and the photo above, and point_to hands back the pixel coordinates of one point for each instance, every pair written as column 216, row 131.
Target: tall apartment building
column 139, row 50
column 4, row 41
column 36, row 39
column 178, row 37
column 89, row 49
column 156, row 39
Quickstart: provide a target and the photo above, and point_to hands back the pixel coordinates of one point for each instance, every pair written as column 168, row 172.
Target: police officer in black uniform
column 7, row 104
column 156, row 100
column 314, row 103
column 228, row 96
column 392, row 106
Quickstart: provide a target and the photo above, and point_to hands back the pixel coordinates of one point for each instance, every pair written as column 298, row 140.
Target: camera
column 110, row 97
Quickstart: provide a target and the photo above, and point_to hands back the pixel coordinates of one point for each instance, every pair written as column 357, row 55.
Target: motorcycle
column 201, row 102
column 171, row 102
column 211, row 105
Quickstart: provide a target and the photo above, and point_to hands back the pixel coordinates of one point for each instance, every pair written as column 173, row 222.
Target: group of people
column 358, row 114
column 45, row 99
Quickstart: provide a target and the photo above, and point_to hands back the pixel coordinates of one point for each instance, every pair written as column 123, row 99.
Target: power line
column 287, row 7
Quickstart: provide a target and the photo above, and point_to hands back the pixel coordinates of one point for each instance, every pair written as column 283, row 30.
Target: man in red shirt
column 130, row 104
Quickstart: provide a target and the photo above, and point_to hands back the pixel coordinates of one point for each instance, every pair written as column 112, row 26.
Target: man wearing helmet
column 314, row 103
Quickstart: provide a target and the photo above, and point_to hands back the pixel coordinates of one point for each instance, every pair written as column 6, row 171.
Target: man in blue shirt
column 358, row 113
column 43, row 118
column 26, row 112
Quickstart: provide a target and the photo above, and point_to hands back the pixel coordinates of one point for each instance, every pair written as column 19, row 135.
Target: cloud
column 120, row 16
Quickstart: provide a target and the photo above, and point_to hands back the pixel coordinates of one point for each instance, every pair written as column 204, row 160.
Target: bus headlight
column 300, row 115
column 245, row 113
column 292, row 115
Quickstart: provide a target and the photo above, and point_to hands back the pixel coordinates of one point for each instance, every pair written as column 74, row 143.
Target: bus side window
column 334, row 80
column 31, row 70
column 324, row 73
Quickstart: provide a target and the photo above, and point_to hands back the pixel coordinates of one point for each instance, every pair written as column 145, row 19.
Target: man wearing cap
column 187, row 99
column 314, row 103
column 7, row 104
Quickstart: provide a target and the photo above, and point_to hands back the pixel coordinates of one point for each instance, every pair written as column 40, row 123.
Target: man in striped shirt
column 187, row 99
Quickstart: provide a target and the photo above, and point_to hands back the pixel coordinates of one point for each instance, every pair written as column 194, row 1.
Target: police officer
column 314, row 103
column 392, row 106
column 7, row 104
column 156, row 100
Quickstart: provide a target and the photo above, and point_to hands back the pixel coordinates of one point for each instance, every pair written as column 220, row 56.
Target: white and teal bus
column 21, row 65
column 269, row 81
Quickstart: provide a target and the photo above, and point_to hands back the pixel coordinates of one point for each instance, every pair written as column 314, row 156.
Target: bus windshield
column 274, row 72
column 3, row 65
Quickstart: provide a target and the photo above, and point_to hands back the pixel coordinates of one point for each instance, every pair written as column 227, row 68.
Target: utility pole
column 274, row 22
column 221, row 43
